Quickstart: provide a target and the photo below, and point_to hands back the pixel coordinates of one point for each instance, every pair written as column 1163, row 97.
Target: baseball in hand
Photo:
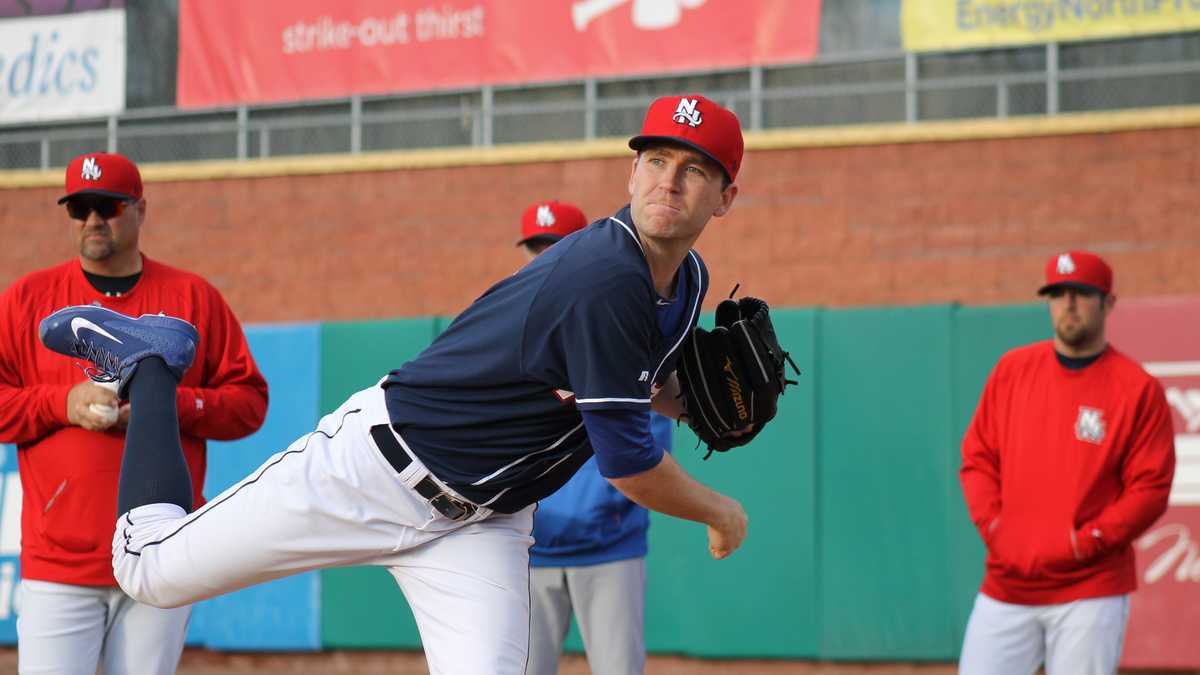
column 108, row 412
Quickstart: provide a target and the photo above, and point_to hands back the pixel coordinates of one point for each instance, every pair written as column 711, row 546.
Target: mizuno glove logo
column 735, row 390
column 80, row 322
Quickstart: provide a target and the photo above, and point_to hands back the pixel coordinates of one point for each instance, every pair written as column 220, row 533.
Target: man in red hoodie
column 70, row 432
column 1069, row 458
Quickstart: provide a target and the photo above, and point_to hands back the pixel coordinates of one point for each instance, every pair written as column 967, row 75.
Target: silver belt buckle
column 454, row 509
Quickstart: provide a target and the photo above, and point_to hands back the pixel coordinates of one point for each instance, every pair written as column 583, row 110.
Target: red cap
column 1078, row 269
column 550, row 221
column 697, row 123
column 101, row 173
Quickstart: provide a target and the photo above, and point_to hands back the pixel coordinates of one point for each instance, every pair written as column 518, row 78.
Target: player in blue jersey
column 434, row 471
column 589, row 540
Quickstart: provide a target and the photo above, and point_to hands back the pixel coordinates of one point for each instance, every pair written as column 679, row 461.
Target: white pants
column 609, row 602
column 329, row 500
column 1072, row 638
column 70, row 630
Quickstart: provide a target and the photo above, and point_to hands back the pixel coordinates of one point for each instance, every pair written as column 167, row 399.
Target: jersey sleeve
column 980, row 471
column 29, row 409
column 663, row 430
column 622, row 442
column 1147, row 471
column 606, row 340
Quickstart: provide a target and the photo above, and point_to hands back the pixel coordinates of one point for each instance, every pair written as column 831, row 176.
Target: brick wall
column 969, row 221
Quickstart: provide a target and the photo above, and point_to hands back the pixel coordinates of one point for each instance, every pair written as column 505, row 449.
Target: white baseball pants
column 64, row 629
column 1072, row 638
column 328, row 500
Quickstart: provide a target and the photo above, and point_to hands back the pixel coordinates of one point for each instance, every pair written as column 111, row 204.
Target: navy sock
column 153, row 469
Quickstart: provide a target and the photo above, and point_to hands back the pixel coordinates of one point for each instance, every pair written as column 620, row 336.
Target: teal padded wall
column 362, row 607
column 883, row 393
column 760, row 601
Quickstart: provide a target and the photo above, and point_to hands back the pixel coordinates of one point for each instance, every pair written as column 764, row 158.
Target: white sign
column 647, row 14
column 62, row 66
column 1184, row 399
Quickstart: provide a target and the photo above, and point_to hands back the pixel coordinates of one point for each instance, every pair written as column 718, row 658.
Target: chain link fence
column 864, row 88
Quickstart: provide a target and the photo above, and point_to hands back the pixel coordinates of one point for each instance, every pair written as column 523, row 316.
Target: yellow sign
column 940, row 25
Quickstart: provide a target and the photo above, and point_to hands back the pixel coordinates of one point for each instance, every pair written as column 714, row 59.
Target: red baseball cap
column 698, row 123
column 104, row 174
column 1078, row 269
column 550, row 221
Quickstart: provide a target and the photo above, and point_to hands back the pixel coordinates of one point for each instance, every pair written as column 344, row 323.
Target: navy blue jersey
column 492, row 406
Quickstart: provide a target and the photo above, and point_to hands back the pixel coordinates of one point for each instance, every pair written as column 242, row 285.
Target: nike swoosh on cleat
column 80, row 322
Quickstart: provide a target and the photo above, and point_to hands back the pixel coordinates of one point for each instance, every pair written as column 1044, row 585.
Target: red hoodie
column 1062, row 470
column 68, row 474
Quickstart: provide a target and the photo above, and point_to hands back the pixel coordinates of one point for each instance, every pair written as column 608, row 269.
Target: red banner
column 1165, row 336
column 232, row 51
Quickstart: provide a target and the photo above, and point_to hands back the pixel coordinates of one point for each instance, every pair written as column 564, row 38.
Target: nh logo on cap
column 1090, row 425
column 545, row 217
column 1065, row 264
column 686, row 113
column 91, row 170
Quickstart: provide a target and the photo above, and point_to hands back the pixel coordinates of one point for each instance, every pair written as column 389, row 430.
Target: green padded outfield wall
column 882, row 399
column 859, row 547
column 362, row 607
column 760, row 601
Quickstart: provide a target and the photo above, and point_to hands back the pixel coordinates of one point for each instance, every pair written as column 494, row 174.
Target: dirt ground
column 199, row 662
column 203, row 662
column 366, row 663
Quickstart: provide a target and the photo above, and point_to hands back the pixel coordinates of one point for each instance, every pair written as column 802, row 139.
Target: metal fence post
column 756, row 98
column 487, row 104
column 1002, row 99
column 112, row 133
column 1051, row 78
column 44, row 146
column 264, row 141
column 589, row 108
column 910, row 87
column 243, row 119
column 355, row 124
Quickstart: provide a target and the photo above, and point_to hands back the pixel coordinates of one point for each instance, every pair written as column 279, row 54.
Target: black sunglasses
column 105, row 207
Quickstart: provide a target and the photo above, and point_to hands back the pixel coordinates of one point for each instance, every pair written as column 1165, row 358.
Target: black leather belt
column 451, row 507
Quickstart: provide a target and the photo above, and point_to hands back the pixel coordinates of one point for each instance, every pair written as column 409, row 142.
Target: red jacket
column 1062, row 470
column 69, row 475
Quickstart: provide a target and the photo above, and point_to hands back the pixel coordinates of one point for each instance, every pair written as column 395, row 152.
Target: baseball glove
column 732, row 376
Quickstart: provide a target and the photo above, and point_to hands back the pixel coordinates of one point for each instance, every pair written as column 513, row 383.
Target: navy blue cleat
column 116, row 343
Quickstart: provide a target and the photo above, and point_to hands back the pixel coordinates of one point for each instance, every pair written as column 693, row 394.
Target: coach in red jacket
column 70, row 432
column 1069, row 458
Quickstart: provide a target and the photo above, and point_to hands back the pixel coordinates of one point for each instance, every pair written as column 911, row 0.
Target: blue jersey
column 589, row 522
column 492, row 407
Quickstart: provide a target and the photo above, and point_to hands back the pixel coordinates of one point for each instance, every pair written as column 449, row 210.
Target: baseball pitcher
column 433, row 472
